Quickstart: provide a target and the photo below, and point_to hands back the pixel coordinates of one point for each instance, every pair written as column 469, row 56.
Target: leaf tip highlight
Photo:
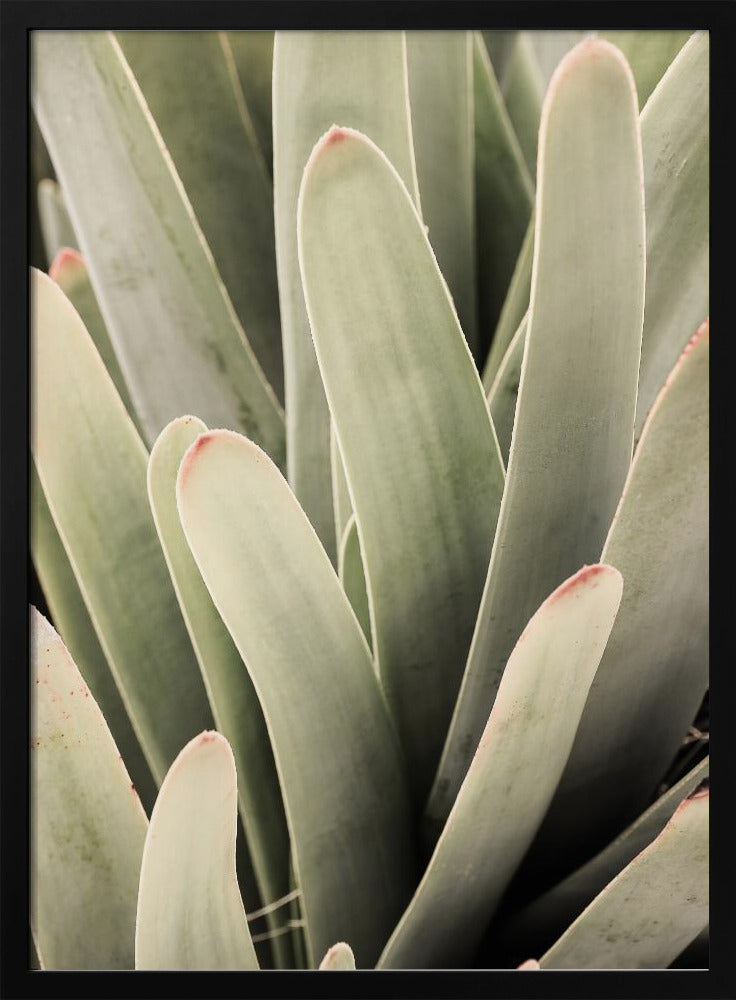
column 65, row 261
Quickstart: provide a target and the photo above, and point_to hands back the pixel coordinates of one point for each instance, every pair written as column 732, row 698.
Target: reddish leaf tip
column 583, row 574
column 194, row 450
column 65, row 259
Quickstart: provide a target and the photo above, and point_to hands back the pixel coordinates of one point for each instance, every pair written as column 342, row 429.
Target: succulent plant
column 370, row 461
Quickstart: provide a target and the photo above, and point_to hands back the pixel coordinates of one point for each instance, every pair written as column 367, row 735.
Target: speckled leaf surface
column 92, row 465
column 358, row 78
column 337, row 754
column 190, row 915
column 88, row 825
column 513, row 774
column 149, row 263
column 416, row 439
column 578, row 384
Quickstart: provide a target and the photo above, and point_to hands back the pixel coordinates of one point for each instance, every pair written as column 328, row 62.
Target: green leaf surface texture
column 149, row 263
column 87, row 827
column 418, row 447
column 573, row 431
column 337, row 754
column 358, row 78
column 190, row 914
column 92, row 466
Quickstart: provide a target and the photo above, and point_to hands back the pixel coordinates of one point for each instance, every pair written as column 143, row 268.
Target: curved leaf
column 578, row 384
column 150, row 266
column 336, row 752
column 190, row 915
column 92, row 466
column 513, row 774
column 416, row 439
column 235, row 706
column 352, row 577
column 320, row 77
column 87, row 823
column 651, row 911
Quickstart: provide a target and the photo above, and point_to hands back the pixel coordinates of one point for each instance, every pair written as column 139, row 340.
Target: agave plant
column 370, row 443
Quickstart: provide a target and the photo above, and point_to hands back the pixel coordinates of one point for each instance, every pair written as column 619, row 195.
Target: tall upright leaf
column 190, row 914
column 352, row 577
column 235, row 706
column 513, row 774
column 417, row 443
column 191, row 87
column 252, row 53
column 150, row 266
column 87, row 824
column 573, row 432
column 321, row 77
column 522, row 86
column 92, row 466
column 653, row 675
column 675, row 143
column 440, row 67
column 337, row 755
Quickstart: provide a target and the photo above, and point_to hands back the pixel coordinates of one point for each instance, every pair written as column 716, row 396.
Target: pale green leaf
column 337, row 755
column 339, row 958
column 92, row 466
column 504, row 192
column 653, row 676
column 190, row 914
column 440, row 66
column 87, row 823
column 322, row 77
column 191, row 86
column 416, row 439
column 341, row 502
column 72, row 621
column 651, row 911
column 513, row 774
column 253, row 55
column 522, row 87
column 352, row 576
column 649, row 53
column 540, row 923
column 505, row 390
column 515, row 307
column 150, row 266
column 235, row 706
column 69, row 271
column 56, row 226
column 573, row 432
column 675, row 143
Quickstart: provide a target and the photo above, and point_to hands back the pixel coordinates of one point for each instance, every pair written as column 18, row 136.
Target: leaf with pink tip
column 190, row 913
column 513, row 774
column 339, row 958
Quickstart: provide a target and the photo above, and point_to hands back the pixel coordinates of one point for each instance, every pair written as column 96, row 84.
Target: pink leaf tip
column 65, row 260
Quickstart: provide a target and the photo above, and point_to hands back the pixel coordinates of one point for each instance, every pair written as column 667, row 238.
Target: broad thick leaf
column 352, row 577
column 515, row 308
column 416, row 439
column 191, row 86
column 440, row 65
column 522, row 87
column 513, row 774
column 87, row 823
column 190, row 914
column 235, row 706
column 69, row 271
column 341, row 502
column 573, row 432
column 649, row 53
column 653, row 676
column 73, row 623
column 92, row 466
column 504, row 391
column 149, row 263
column 504, row 192
column 321, row 77
column 253, row 56
column 675, row 143
column 339, row 958
column 651, row 911
column 537, row 926
column 55, row 223
column 337, row 754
